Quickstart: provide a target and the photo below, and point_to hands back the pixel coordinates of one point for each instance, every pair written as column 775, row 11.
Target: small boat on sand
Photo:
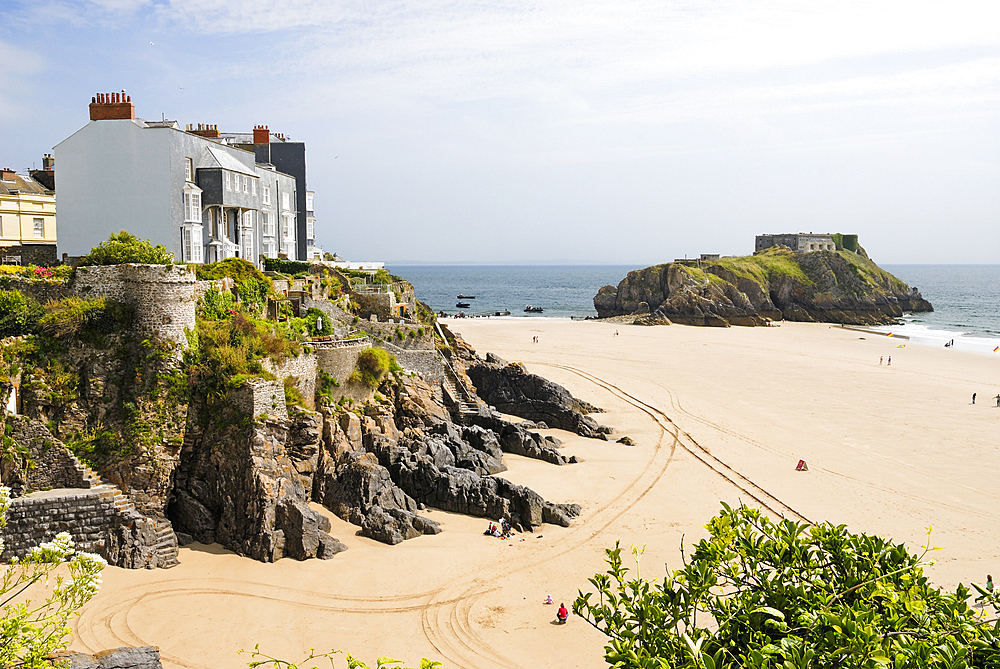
column 462, row 305
column 532, row 310
column 466, row 297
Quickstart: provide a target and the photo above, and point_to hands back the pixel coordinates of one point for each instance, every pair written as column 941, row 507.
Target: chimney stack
column 112, row 106
column 261, row 135
column 48, row 162
column 204, row 130
column 7, row 174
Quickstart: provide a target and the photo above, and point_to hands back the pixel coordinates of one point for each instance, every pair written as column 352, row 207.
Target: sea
column 966, row 298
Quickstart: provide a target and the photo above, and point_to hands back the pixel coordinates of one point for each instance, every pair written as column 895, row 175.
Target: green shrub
column 293, row 398
column 217, row 305
column 19, row 314
column 125, row 247
column 373, row 364
column 290, row 267
column 253, row 286
column 66, row 318
column 757, row 594
column 311, row 318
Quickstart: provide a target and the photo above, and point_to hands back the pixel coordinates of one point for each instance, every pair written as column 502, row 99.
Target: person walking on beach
column 998, row 400
column 890, row 361
column 880, row 359
column 973, row 398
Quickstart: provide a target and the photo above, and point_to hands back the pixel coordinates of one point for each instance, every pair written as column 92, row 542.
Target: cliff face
column 823, row 286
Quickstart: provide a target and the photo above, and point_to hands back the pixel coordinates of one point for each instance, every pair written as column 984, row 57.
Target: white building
column 188, row 190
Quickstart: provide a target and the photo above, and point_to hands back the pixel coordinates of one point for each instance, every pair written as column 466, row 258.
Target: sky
column 576, row 131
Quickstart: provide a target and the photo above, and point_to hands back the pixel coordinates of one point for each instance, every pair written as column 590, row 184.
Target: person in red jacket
column 563, row 614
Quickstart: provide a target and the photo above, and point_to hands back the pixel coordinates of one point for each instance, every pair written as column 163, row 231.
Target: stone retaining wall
column 53, row 465
column 258, row 396
column 339, row 361
column 303, row 368
column 88, row 517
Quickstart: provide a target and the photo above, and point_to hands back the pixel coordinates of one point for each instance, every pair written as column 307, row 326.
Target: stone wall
column 163, row 296
column 303, row 368
column 426, row 362
column 257, row 396
column 53, row 465
column 99, row 521
column 339, row 361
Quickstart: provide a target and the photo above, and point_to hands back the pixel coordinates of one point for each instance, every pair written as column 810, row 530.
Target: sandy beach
column 715, row 414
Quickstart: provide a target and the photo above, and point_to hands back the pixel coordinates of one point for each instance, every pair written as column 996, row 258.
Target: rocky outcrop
column 237, row 485
column 142, row 657
column 511, row 389
column 823, row 286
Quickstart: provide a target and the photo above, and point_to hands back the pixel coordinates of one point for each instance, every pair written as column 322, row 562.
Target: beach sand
column 716, row 415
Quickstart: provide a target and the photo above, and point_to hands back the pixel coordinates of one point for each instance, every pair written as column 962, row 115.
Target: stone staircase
column 467, row 406
column 166, row 545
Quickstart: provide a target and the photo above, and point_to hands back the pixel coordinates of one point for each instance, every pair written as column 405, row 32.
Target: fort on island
column 801, row 242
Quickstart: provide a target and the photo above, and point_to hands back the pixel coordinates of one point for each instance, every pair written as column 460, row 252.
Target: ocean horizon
column 966, row 298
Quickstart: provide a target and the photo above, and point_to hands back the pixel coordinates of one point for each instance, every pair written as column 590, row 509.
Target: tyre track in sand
column 675, row 403
column 450, row 628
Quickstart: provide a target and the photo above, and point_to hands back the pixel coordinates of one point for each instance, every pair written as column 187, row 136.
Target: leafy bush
column 253, row 286
column 314, row 315
column 70, row 317
column 293, row 398
column 289, row 267
column 19, row 314
column 372, row 366
column 217, row 305
column 125, row 247
column 57, row 274
column 787, row 595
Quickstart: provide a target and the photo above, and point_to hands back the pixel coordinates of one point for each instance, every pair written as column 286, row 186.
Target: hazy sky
column 615, row 132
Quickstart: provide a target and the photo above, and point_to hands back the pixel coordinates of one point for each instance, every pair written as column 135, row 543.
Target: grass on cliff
column 372, row 367
column 772, row 265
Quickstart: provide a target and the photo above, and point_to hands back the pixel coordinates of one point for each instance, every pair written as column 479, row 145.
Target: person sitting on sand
column 562, row 614
column 548, row 599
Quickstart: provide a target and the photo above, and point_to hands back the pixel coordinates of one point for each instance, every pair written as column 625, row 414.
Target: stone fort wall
column 163, row 296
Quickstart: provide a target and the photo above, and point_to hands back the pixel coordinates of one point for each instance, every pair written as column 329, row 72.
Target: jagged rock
column 393, row 526
column 824, row 286
column 183, row 538
column 142, row 657
column 516, row 439
column 627, row 441
column 512, row 390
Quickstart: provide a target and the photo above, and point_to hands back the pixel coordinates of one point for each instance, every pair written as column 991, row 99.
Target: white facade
column 200, row 198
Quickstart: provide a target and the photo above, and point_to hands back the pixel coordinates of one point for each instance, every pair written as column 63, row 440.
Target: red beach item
column 802, row 466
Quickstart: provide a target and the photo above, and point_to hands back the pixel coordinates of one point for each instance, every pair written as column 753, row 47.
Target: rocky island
column 839, row 285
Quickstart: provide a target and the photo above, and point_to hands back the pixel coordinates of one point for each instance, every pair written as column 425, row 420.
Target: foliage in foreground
column 787, row 595
column 254, row 287
column 125, row 247
column 263, row 660
column 31, row 631
column 373, row 365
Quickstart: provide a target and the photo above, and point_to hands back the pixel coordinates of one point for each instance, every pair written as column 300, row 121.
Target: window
column 267, row 223
column 188, row 169
column 267, row 195
column 284, row 201
column 248, row 244
column 229, row 182
column 286, row 226
column 192, row 206
column 269, row 250
column 246, row 186
column 253, row 186
column 39, row 228
column 310, row 228
column 309, row 201
column 192, row 243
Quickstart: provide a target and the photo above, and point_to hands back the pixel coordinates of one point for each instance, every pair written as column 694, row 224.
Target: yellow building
column 27, row 221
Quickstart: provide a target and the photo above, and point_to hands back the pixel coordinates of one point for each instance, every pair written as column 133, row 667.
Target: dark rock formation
column 511, row 389
column 143, row 657
column 238, row 486
column 822, row 286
